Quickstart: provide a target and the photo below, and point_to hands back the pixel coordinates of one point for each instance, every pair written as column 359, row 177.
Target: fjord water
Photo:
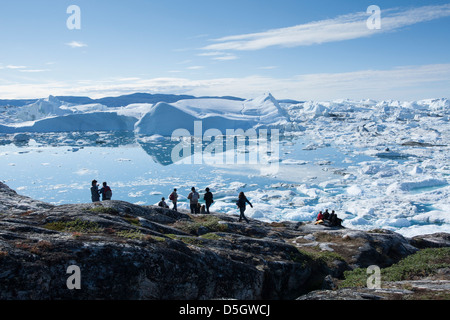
column 378, row 164
column 58, row 168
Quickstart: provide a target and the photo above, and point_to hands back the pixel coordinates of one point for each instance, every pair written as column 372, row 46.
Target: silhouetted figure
column 95, row 196
column 163, row 203
column 174, row 198
column 241, row 203
column 106, row 192
column 326, row 215
column 334, row 220
column 208, row 197
column 193, row 201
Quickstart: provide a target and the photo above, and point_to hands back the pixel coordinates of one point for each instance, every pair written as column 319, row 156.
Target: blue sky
column 306, row 50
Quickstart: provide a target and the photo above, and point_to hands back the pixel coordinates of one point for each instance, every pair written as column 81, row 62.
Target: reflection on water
column 58, row 168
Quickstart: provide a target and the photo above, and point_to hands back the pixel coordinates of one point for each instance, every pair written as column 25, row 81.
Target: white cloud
column 218, row 55
column 226, row 57
column 402, row 83
column 34, row 70
column 76, row 44
column 346, row 27
column 15, row 67
column 195, row 67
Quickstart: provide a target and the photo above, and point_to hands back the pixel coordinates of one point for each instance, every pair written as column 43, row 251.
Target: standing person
column 95, row 196
column 106, row 192
column 208, row 197
column 174, row 197
column 193, row 200
column 241, row 203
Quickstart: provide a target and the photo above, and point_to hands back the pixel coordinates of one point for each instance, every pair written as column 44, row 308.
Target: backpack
column 171, row 197
column 195, row 197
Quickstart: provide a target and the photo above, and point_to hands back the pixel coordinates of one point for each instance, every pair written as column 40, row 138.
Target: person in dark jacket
column 95, row 196
column 326, row 215
column 163, row 203
column 106, row 192
column 174, row 198
column 208, row 197
column 241, row 203
column 193, row 201
column 334, row 220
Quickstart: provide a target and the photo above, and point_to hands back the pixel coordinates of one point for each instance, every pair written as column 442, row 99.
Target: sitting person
column 326, row 215
column 319, row 218
column 334, row 220
column 163, row 203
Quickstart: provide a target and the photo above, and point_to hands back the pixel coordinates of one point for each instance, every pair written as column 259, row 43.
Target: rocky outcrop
column 126, row 251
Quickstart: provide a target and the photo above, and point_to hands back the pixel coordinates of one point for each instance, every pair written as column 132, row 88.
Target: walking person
column 174, row 198
column 106, row 192
column 241, row 203
column 95, row 196
column 208, row 197
column 193, row 200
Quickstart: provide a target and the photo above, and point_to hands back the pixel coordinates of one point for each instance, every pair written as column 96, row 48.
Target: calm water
column 59, row 168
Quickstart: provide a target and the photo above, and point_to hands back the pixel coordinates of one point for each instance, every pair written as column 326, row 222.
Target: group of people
column 326, row 218
column 329, row 219
column 194, row 198
column 208, row 197
column 105, row 192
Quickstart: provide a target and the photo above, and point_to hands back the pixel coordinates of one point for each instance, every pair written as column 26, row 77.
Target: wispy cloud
column 195, row 67
column 34, row 70
column 226, row 57
column 402, row 83
column 346, row 27
column 15, row 67
column 76, row 44
column 218, row 55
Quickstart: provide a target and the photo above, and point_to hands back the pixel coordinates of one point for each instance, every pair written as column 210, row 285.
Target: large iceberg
column 53, row 115
column 214, row 113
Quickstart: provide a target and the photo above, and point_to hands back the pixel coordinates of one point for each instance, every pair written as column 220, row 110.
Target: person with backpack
column 174, row 197
column 208, row 197
column 193, row 200
column 241, row 203
column 106, row 192
column 95, row 196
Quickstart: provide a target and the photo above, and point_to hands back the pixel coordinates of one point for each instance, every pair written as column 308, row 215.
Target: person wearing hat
column 95, row 196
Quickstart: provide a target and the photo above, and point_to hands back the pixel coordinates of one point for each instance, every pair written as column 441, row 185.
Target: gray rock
column 125, row 251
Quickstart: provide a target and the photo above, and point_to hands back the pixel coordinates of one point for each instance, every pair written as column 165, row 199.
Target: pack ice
column 402, row 184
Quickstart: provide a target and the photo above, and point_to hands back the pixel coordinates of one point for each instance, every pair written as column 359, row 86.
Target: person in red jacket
column 319, row 216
